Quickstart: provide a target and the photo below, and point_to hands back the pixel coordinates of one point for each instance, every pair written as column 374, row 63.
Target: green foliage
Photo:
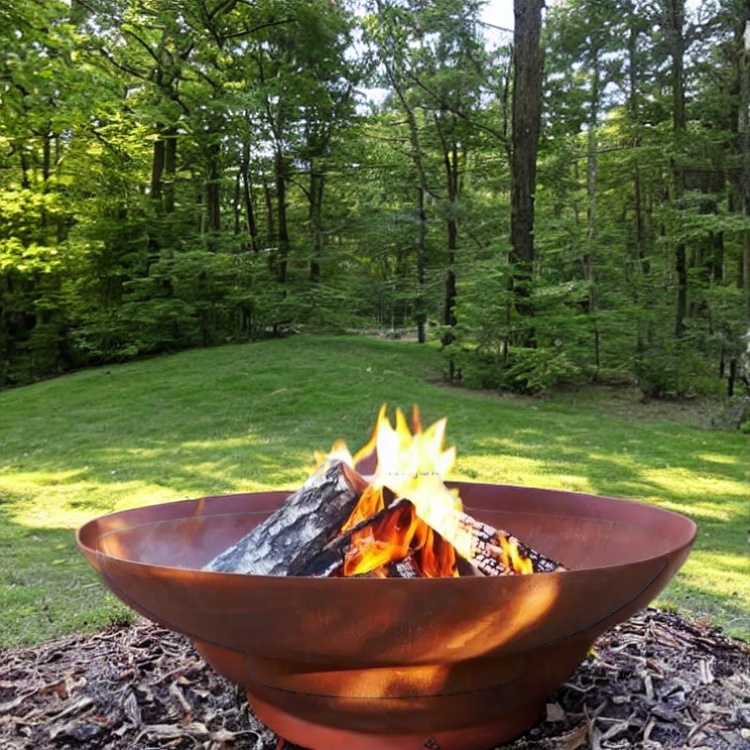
column 175, row 178
column 539, row 370
column 671, row 369
column 521, row 370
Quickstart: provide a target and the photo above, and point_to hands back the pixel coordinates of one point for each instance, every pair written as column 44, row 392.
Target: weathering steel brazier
column 368, row 664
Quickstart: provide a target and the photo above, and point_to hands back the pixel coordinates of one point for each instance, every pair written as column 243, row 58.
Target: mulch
column 657, row 681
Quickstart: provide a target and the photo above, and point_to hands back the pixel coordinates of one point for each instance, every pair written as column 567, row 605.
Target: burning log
column 495, row 552
column 492, row 551
column 331, row 559
column 405, row 568
column 391, row 543
column 295, row 533
column 467, row 569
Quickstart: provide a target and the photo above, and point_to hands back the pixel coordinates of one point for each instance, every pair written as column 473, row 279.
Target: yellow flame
column 412, row 463
column 510, row 556
column 407, row 459
column 339, row 452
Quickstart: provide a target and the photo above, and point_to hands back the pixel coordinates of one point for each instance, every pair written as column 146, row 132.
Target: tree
column 43, row 103
column 432, row 58
column 229, row 177
column 528, row 63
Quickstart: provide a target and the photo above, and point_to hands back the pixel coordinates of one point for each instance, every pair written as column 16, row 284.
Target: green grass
column 248, row 417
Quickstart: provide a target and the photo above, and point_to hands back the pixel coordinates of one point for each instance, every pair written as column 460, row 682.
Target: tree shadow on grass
column 732, row 616
column 46, row 587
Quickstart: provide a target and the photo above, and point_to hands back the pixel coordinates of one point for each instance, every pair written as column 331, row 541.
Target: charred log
column 406, row 568
column 493, row 550
column 296, row 533
column 331, row 559
column 467, row 569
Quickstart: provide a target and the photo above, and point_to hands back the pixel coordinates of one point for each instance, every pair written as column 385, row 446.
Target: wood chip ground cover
column 655, row 682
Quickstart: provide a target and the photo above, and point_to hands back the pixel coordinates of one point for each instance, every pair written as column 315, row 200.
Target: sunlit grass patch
column 718, row 459
column 683, row 482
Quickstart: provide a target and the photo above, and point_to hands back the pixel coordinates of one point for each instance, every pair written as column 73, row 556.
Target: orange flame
column 370, row 503
column 395, row 537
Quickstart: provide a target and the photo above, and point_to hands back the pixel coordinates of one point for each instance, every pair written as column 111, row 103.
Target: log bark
column 294, row 534
column 477, row 542
column 488, row 546
column 467, row 569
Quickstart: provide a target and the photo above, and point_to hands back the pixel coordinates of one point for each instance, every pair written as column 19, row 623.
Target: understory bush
column 672, row 369
column 521, row 370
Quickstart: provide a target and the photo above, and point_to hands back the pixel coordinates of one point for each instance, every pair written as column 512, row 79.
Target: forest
column 566, row 201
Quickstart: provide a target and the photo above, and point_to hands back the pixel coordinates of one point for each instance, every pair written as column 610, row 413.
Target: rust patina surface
column 447, row 664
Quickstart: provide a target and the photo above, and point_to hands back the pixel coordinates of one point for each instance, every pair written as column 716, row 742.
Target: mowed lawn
column 248, row 417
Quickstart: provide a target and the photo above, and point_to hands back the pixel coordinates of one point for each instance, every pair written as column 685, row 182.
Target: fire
column 511, row 557
column 399, row 537
column 406, row 512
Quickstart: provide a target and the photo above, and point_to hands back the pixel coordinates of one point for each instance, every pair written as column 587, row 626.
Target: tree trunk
column 283, row 238
column 46, row 174
column 157, row 168
column 247, row 194
column 528, row 62
column 676, row 14
column 743, row 132
column 417, row 157
column 421, row 265
column 170, row 169
column 213, row 195
column 451, row 173
column 317, row 187
column 158, row 160
column 164, row 169
column 592, row 165
column 642, row 264
column 24, row 162
column 270, row 215
column 46, row 156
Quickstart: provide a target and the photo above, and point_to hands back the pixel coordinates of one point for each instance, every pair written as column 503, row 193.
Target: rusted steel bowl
column 366, row 664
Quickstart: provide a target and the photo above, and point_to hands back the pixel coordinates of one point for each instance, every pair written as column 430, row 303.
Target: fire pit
column 456, row 663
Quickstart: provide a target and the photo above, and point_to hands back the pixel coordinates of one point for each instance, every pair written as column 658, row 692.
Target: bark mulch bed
column 657, row 681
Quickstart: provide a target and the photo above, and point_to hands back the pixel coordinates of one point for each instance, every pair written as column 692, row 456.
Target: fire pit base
column 320, row 737
column 484, row 701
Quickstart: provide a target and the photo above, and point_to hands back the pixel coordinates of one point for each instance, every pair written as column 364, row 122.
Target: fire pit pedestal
column 449, row 664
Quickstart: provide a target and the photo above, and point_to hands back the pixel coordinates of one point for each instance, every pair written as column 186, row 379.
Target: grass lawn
column 248, row 418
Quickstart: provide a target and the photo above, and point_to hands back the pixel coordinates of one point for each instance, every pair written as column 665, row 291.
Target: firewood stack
column 401, row 522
